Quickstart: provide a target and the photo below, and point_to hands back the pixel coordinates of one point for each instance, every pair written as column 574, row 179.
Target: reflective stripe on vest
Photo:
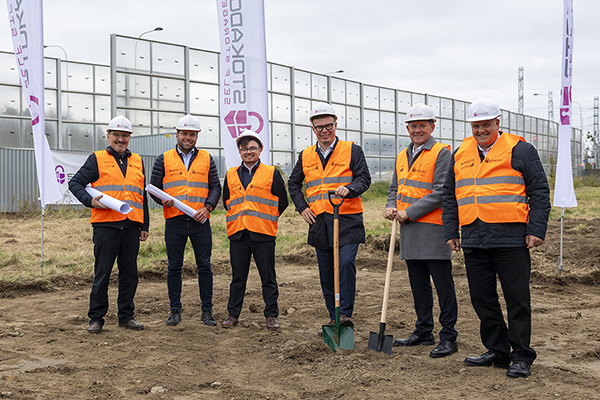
column 187, row 185
column 254, row 208
column 417, row 181
column 489, row 190
column 128, row 188
column 319, row 181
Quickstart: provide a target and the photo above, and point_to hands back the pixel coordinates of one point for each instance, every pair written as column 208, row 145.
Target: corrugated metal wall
column 18, row 180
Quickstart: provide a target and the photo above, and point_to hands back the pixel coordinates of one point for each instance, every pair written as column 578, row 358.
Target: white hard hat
column 119, row 123
column 322, row 109
column 420, row 112
column 188, row 123
column 248, row 133
column 483, row 109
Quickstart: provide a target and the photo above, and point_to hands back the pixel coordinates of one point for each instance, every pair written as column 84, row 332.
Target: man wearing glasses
column 189, row 175
column 254, row 196
column 332, row 164
column 117, row 172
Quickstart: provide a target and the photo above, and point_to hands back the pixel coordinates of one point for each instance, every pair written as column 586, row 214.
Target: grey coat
column 422, row 241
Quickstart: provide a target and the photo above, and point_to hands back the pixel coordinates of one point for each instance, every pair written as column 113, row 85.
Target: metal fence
column 155, row 83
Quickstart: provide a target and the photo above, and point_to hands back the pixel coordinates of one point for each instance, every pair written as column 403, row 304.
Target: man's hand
column 533, row 241
column 390, row 213
column 201, row 215
column 342, row 191
column 454, row 244
column 96, row 202
column 401, row 215
column 168, row 203
column 308, row 216
column 144, row 235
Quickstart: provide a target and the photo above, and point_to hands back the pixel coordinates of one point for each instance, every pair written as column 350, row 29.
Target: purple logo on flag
column 238, row 121
column 60, row 174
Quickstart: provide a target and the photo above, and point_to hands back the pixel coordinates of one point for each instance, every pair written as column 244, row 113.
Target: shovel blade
column 380, row 342
column 341, row 337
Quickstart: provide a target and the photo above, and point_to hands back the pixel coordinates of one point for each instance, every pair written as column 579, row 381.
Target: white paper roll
column 109, row 201
column 165, row 196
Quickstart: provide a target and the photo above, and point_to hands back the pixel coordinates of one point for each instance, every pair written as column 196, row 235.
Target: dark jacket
column 89, row 173
column 278, row 189
column 483, row 235
column 352, row 229
column 214, row 185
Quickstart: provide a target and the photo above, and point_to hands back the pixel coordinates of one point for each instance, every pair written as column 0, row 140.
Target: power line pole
column 550, row 106
column 596, row 138
column 521, row 90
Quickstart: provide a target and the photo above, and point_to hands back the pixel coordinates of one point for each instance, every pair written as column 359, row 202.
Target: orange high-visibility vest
column 254, row 208
column 189, row 186
column 417, row 182
column 320, row 181
column 490, row 190
column 128, row 188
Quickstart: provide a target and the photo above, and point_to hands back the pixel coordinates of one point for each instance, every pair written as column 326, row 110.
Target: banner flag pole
column 564, row 192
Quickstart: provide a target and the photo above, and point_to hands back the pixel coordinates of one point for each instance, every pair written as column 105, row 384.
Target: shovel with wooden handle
column 337, row 336
column 380, row 341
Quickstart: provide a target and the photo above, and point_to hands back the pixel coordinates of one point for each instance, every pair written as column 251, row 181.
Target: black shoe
column 174, row 317
column 487, row 359
column 131, row 324
column 414, row 340
column 95, row 327
column 208, row 318
column 444, row 348
column 519, row 369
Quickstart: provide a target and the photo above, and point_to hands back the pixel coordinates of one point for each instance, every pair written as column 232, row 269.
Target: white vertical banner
column 27, row 31
column 243, row 97
column 564, row 193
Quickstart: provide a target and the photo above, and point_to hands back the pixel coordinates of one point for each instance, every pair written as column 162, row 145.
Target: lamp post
column 158, row 29
column 580, row 116
column 60, row 47
column 550, row 104
column 339, row 71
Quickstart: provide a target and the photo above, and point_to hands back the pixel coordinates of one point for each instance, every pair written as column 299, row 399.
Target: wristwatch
column 209, row 207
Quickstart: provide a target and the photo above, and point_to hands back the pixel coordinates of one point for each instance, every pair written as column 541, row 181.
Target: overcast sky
column 461, row 49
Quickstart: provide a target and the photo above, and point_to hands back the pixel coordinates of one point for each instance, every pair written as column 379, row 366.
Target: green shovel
column 337, row 336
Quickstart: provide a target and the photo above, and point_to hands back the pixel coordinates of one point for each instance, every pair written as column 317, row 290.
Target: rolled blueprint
column 164, row 196
column 109, row 201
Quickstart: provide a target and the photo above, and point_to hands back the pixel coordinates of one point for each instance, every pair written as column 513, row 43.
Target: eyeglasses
column 319, row 128
column 249, row 150
column 121, row 135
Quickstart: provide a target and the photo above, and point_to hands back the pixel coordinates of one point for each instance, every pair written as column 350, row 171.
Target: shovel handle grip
column 336, row 206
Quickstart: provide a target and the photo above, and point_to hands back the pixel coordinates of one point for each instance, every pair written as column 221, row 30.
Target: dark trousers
column 240, row 253
column 112, row 244
column 177, row 232
column 347, row 278
column 420, row 273
column 512, row 266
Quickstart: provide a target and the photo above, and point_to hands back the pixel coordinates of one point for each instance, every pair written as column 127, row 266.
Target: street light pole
column 157, row 29
column 60, row 47
column 550, row 104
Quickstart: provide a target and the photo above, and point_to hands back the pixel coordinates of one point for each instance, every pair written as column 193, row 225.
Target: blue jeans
column 347, row 278
column 177, row 232
column 112, row 244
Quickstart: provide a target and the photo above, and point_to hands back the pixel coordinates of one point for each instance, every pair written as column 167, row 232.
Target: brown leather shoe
column 345, row 320
column 320, row 333
column 229, row 322
column 272, row 324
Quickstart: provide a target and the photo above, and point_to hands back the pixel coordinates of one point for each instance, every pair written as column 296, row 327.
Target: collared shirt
column 485, row 152
column 186, row 157
column 328, row 150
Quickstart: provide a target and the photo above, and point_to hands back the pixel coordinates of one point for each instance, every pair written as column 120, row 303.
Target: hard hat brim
column 483, row 118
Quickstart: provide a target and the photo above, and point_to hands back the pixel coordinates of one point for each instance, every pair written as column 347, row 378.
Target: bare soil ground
column 46, row 353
